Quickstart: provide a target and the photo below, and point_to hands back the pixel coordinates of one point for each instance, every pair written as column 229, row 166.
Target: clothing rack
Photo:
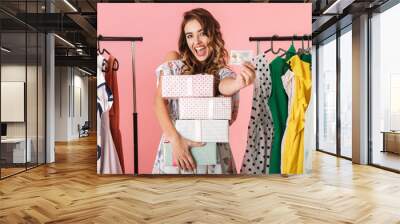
column 279, row 38
column 135, row 115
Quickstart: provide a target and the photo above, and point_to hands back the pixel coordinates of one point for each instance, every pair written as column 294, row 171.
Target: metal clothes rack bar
column 135, row 115
column 279, row 38
column 103, row 38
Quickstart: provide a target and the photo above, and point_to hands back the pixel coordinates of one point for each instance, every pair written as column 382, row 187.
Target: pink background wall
column 158, row 24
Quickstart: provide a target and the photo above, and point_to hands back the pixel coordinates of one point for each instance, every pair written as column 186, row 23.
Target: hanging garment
column 101, row 106
column 107, row 157
column 289, row 86
column 289, row 89
column 260, row 131
column 306, row 57
column 225, row 163
column 111, row 80
column 293, row 153
column 290, row 53
column 309, row 130
column 278, row 104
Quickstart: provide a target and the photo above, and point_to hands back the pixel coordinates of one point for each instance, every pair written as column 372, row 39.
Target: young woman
column 201, row 50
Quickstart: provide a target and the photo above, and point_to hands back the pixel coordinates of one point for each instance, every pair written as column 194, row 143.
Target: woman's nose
column 197, row 39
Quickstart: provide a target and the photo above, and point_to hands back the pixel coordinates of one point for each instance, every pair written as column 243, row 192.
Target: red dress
column 111, row 80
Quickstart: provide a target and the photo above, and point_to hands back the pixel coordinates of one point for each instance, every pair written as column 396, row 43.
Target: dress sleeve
column 169, row 68
column 173, row 67
column 223, row 73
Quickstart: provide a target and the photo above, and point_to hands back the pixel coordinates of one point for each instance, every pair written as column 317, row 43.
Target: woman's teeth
column 200, row 51
column 199, row 48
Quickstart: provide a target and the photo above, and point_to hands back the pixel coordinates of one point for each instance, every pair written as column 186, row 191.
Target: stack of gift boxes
column 202, row 117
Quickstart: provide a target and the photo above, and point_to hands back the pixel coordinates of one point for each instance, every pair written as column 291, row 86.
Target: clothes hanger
column 271, row 46
column 115, row 65
column 98, row 48
column 284, row 53
column 101, row 51
column 104, row 66
column 301, row 50
column 283, row 50
column 291, row 44
column 280, row 49
column 308, row 46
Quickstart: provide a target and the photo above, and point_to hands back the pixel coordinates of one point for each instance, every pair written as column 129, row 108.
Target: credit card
column 237, row 57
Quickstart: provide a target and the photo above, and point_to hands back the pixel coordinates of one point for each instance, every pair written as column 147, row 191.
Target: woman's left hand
column 246, row 76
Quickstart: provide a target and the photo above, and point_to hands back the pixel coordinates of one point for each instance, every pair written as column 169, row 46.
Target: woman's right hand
column 181, row 152
column 246, row 76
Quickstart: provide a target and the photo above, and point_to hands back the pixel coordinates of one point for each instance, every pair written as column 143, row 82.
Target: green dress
column 278, row 104
column 306, row 57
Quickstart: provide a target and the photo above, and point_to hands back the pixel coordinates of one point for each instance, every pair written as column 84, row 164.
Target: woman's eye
column 189, row 36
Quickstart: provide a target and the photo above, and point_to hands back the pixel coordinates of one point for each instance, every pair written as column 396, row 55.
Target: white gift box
column 213, row 108
column 203, row 155
column 204, row 130
column 174, row 86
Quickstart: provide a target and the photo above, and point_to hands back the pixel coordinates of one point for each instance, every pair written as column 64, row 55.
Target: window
column 22, row 76
column 385, row 89
column 346, row 92
column 327, row 96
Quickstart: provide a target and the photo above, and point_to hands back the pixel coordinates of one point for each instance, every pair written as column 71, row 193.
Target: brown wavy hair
column 218, row 55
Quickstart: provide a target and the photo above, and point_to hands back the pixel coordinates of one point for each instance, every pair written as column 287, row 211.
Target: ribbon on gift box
column 189, row 86
column 203, row 108
column 210, row 109
column 197, row 129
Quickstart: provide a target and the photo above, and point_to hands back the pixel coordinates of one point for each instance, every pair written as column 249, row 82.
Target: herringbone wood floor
column 69, row 191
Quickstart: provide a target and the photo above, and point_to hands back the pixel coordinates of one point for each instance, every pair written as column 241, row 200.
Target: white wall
column 61, row 103
column 33, row 127
column 13, row 73
column 70, row 84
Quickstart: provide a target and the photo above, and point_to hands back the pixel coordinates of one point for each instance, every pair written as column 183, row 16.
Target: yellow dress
column 293, row 153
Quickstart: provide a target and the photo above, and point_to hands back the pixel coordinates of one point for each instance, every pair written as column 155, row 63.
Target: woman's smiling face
column 197, row 40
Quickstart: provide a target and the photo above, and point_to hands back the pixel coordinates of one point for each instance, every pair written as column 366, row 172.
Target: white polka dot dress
column 260, row 130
